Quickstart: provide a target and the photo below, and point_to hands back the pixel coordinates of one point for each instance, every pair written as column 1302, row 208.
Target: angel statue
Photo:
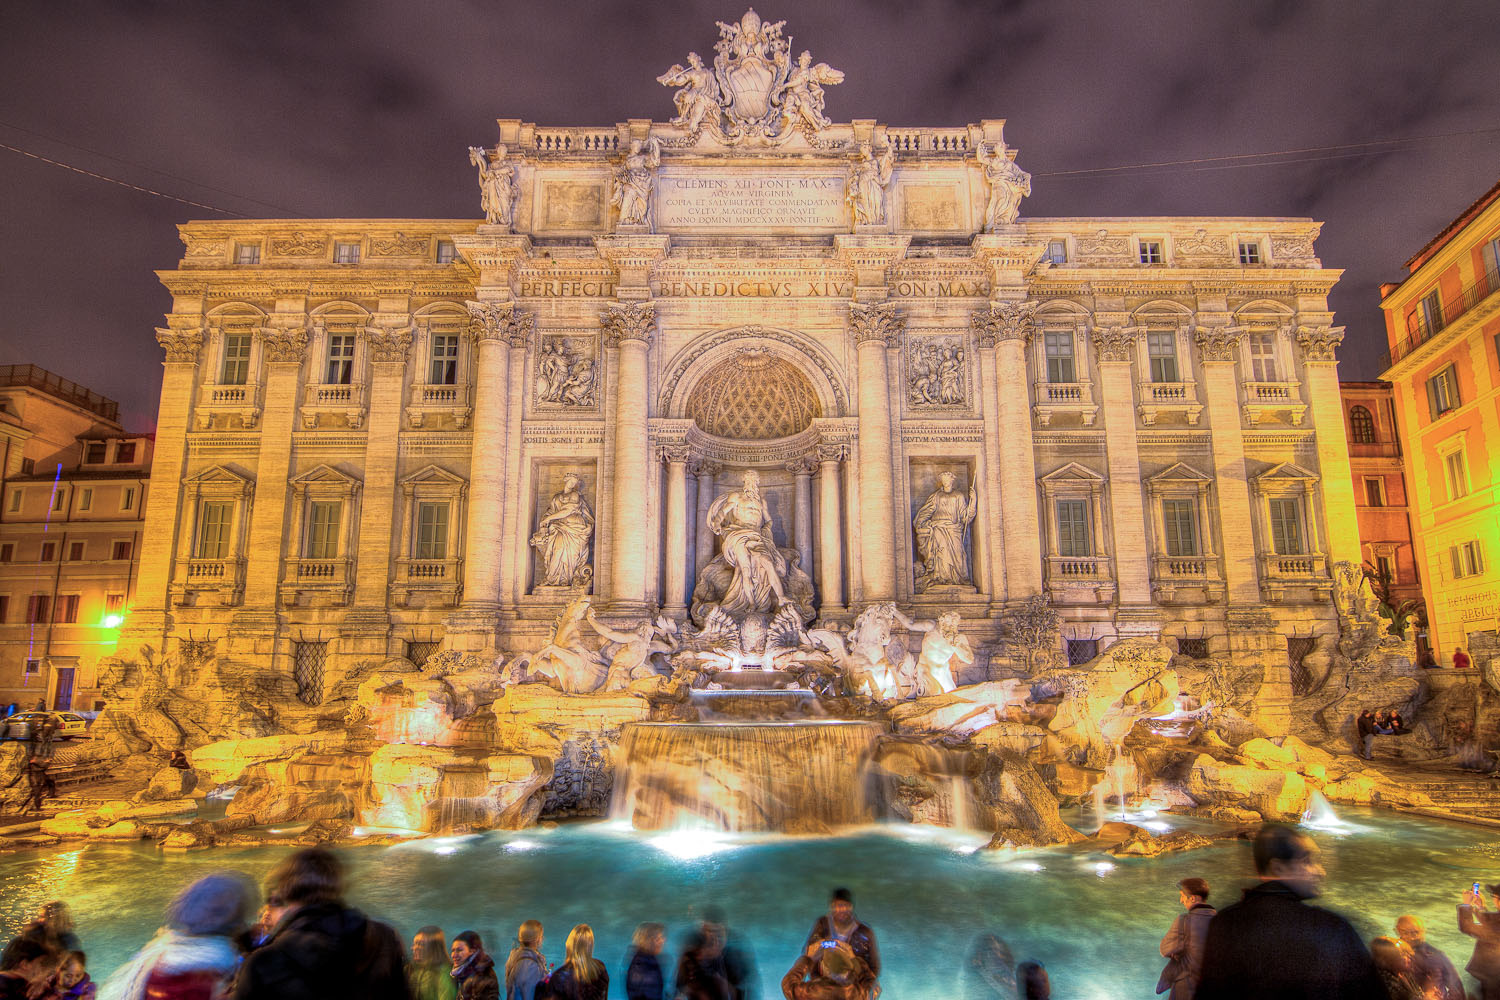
column 697, row 98
column 802, row 101
column 633, row 179
column 497, row 186
column 868, row 176
column 1008, row 185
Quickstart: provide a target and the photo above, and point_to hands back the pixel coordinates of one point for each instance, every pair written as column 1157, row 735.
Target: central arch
column 698, row 380
column 753, row 395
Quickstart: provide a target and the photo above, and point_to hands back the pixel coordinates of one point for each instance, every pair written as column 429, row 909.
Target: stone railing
column 428, row 400
column 321, row 399
column 1064, row 397
column 577, row 140
column 1169, row 397
column 1279, row 573
column 324, row 582
column 206, row 576
column 223, row 400
column 427, row 582
column 929, row 140
column 1263, row 398
column 1186, row 579
column 1079, row 579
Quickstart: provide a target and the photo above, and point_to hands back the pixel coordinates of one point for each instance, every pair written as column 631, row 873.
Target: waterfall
column 1320, row 814
column 785, row 777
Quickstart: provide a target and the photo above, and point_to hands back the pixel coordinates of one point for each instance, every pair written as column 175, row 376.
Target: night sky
column 364, row 109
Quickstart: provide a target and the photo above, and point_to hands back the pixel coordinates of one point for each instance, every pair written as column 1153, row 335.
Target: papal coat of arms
column 755, row 93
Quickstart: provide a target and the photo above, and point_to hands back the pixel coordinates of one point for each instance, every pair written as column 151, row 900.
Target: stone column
column 628, row 326
column 876, row 327
column 831, row 542
column 1115, row 348
column 989, row 534
column 1010, row 324
column 1218, row 348
column 676, row 555
column 690, row 512
column 282, row 351
column 1320, row 371
column 388, row 348
column 150, row 616
column 802, row 469
column 704, row 553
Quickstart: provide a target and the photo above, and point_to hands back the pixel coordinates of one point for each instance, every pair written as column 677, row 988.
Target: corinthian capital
column 624, row 321
column 1218, row 343
column 999, row 321
column 876, row 321
column 802, row 465
column 1318, row 343
column 388, row 344
column 182, row 346
column 1113, row 343
column 501, row 321
column 283, row 344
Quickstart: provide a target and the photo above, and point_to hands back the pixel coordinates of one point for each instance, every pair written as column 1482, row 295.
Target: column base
column 629, row 609
column 365, row 632
column 1138, row 622
column 472, row 629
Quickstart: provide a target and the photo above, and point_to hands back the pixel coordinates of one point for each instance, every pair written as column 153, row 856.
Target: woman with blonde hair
column 429, row 971
column 582, row 976
column 525, row 967
column 644, row 978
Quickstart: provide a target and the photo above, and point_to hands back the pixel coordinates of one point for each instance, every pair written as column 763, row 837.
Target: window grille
column 1081, row 651
column 1195, row 648
column 1297, row 648
column 420, row 652
column 1361, row 425
column 307, row 671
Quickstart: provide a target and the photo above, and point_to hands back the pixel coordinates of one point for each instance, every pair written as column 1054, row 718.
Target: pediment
column 1286, row 472
column 1073, row 473
column 432, row 475
column 324, row 475
column 219, row 475
column 1180, row 473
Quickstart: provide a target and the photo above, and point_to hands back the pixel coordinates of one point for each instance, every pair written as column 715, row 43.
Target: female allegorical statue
column 942, row 527
column 563, row 535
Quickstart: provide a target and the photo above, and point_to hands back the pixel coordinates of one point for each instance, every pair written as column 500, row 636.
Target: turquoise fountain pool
column 1093, row 920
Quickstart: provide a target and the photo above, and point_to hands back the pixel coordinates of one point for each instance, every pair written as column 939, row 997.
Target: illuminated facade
column 1380, row 488
column 1443, row 325
column 364, row 424
column 71, row 503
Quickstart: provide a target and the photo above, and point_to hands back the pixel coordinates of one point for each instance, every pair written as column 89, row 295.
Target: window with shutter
column 1073, row 538
column 323, row 529
column 213, row 528
column 236, row 359
column 1180, row 519
column 432, row 531
column 1059, row 348
column 1286, row 526
column 1161, row 349
column 1263, row 357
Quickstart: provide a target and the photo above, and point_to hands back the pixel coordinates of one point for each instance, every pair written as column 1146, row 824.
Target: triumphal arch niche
column 753, row 363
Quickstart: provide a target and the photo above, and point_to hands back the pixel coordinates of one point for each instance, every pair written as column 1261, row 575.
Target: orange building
column 1443, row 325
column 1380, row 491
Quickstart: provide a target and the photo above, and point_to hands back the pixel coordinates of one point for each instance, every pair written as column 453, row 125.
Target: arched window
column 1361, row 426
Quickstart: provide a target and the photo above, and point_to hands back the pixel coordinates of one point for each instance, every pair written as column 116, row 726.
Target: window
column 340, row 359
column 323, row 529
column 1456, row 473
column 120, row 551
column 125, row 453
column 1249, row 252
column 66, row 611
column 1262, row 357
column 446, row 253
column 49, row 551
column 1057, row 252
column 59, row 497
column 1151, row 252
column 1361, row 426
column 1286, row 525
column 1374, row 491
column 37, row 608
column 1430, row 309
column 1491, row 255
column 213, row 529
column 1196, row 648
column 33, row 666
column 1442, row 392
column 1073, row 537
column 114, row 602
column 15, row 501
column 4, row 608
column 28, row 466
column 432, row 531
column 236, row 369
column 1180, row 521
column 1081, row 651
column 345, row 253
column 93, row 454
column 444, row 359
column 1059, row 350
column 247, row 253
column 75, row 551
column 1467, row 559
column 86, row 499
column 7, row 552
column 1385, row 569
column 1161, row 351
column 127, row 498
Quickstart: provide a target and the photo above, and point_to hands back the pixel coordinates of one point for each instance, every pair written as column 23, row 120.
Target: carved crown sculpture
column 1113, row 343
column 1318, row 343
column 501, row 321
column 999, row 321
column 388, row 343
column 182, row 346
column 1218, row 343
column 283, row 345
column 876, row 321
column 628, row 321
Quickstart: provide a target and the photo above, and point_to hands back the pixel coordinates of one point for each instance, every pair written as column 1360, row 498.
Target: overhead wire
column 125, row 184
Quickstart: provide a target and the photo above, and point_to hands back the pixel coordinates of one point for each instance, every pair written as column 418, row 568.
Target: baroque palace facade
column 379, row 437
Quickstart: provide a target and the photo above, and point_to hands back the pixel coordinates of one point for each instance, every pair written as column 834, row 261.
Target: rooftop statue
column 497, row 185
column 1008, row 185
column 868, row 176
column 633, row 181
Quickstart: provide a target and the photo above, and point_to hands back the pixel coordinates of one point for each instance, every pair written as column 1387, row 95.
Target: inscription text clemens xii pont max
column 801, row 201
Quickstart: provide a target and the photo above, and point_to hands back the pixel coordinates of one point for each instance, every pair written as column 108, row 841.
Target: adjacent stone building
column 1443, row 323
column 71, row 502
column 367, row 426
column 1380, row 490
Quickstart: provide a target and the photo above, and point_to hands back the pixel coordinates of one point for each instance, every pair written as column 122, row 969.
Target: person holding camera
column 1484, row 927
column 828, row 970
column 840, row 924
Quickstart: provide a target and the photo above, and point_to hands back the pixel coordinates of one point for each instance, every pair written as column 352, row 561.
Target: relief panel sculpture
column 937, row 375
column 567, row 372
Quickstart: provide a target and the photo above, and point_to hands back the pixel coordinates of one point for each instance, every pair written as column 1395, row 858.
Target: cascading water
column 1320, row 814
column 797, row 777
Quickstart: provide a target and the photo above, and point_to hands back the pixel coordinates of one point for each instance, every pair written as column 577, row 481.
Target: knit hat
column 215, row 904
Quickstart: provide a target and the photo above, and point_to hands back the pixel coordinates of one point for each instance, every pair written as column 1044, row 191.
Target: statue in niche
column 868, row 176
column 497, row 186
column 633, row 182
column 750, row 575
column 563, row 535
column 941, row 646
column 697, row 99
column 802, row 101
column 565, row 374
column 566, row 661
column 1008, row 185
column 942, row 527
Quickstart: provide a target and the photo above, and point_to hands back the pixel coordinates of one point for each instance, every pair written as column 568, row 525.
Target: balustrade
column 1169, row 397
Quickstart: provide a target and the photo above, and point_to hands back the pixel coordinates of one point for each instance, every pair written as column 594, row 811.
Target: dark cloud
column 364, row 108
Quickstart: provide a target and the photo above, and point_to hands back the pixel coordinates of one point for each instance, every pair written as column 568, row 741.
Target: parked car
column 20, row 725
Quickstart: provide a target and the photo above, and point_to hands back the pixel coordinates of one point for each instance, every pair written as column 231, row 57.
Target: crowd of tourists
column 305, row 943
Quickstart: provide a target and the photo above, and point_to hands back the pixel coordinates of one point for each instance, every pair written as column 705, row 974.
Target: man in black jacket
column 1273, row 944
column 320, row 949
column 839, row 924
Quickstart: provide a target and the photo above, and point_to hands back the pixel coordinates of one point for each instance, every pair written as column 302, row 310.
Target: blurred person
column 429, row 970
column 1182, row 945
column 1460, row 659
column 1033, row 981
column 318, row 947
column 72, row 980
column 526, row 967
column 840, row 924
column 1484, row 927
column 1433, row 971
column 1365, row 725
column 473, row 969
column 53, row 928
column 828, row 970
column 193, row 957
column 736, row 960
column 25, row 969
column 700, row 970
column 179, row 761
column 581, row 976
column 1393, row 961
column 991, row 970
column 644, row 977
column 1273, row 944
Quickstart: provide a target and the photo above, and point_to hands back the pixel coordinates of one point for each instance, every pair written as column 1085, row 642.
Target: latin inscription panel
column 781, row 201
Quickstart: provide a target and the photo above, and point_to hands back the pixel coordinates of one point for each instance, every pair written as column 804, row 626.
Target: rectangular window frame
column 95, row 453
column 1288, row 524
column 1261, row 347
column 77, row 551
column 1249, row 253
column 340, row 370
column 86, row 499
column 125, row 453
column 122, row 550
column 1375, row 491
column 446, row 252
column 235, row 366
column 1442, row 391
column 1057, row 252
column 38, row 609
column 1058, row 355
column 7, row 552
column 1183, row 536
column 65, row 609
column 1456, row 473
column 127, row 498
column 1161, row 356
column 324, row 519
column 346, row 251
column 443, row 357
column 430, row 531
column 212, row 532
column 1151, row 252
column 1075, row 537
column 16, row 499
column 1430, row 311
column 48, row 552
column 247, row 254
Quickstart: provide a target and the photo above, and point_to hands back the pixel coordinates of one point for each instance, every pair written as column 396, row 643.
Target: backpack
column 543, row 990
